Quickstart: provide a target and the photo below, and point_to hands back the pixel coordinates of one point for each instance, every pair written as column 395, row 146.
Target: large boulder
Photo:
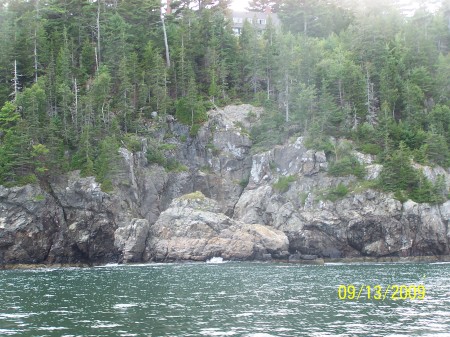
column 131, row 239
column 193, row 228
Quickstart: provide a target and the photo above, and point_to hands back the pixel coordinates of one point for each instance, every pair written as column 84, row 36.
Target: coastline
column 318, row 261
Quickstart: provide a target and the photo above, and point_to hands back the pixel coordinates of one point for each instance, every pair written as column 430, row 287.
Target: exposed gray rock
column 192, row 229
column 131, row 239
column 368, row 223
column 68, row 224
column 29, row 222
column 70, row 219
column 373, row 171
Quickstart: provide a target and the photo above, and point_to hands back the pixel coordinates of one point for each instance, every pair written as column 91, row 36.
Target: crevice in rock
column 49, row 189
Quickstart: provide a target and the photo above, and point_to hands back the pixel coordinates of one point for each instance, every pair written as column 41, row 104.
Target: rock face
column 131, row 240
column 194, row 229
column 366, row 223
column 240, row 213
column 75, row 224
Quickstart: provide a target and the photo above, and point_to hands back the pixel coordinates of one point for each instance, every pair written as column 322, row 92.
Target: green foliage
column 167, row 147
column 39, row 153
column 132, row 142
column 156, row 155
column 16, row 162
column 330, row 73
column 372, row 149
column 244, row 182
column 269, row 132
column 283, row 183
column 106, row 163
column 194, row 130
column 400, row 177
column 173, row 165
column 397, row 173
column 39, row 197
column 437, row 149
column 347, row 165
column 302, row 197
column 191, row 112
column 336, row 193
column 8, row 116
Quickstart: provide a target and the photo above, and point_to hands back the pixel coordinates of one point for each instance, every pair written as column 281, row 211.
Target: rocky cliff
column 239, row 212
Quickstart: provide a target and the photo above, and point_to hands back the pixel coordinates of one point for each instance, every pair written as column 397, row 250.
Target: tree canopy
column 78, row 76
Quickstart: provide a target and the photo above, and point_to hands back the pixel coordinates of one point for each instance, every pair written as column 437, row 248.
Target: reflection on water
column 221, row 299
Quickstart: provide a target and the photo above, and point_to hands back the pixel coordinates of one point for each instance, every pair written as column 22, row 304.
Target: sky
column 239, row 5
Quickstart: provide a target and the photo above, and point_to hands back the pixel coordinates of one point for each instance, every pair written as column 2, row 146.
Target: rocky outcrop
column 365, row 223
column 218, row 157
column 131, row 240
column 261, row 206
column 193, row 228
column 57, row 226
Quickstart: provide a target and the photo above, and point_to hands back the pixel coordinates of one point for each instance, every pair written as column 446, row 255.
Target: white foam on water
column 9, row 332
column 102, row 325
column 259, row 334
column 109, row 265
column 216, row 332
column 18, row 315
column 215, row 260
column 122, row 306
column 52, row 328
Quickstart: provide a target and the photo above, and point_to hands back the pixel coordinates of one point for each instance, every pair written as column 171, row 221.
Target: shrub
column 302, row 197
column 372, row 149
column 194, row 130
column 132, row 142
column 167, row 147
column 283, row 183
column 155, row 156
column 400, row 177
column 337, row 193
column 244, row 182
column 345, row 166
column 191, row 112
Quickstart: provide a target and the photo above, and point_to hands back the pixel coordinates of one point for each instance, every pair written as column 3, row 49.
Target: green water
column 228, row 299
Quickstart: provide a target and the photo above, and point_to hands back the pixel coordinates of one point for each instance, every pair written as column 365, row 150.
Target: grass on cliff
column 197, row 195
column 283, row 183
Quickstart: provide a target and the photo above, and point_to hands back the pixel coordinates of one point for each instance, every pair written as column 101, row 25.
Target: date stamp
column 381, row 293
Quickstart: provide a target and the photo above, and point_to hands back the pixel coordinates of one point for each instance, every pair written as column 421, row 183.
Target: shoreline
column 318, row 261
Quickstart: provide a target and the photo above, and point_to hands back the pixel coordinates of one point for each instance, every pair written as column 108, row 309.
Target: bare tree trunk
column 35, row 57
column 35, row 44
column 183, row 75
column 341, row 95
column 98, row 51
column 75, row 111
column 166, row 42
column 15, row 82
column 305, row 23
column 96, row 59
column 286, row 102
column 368, row 91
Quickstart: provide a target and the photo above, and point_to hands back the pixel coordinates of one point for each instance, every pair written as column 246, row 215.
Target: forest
column 79, row 78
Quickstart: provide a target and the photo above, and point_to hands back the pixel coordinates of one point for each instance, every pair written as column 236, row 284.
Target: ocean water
column 225, row 299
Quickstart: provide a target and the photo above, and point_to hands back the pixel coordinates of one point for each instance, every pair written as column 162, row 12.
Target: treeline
column 79, row 77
